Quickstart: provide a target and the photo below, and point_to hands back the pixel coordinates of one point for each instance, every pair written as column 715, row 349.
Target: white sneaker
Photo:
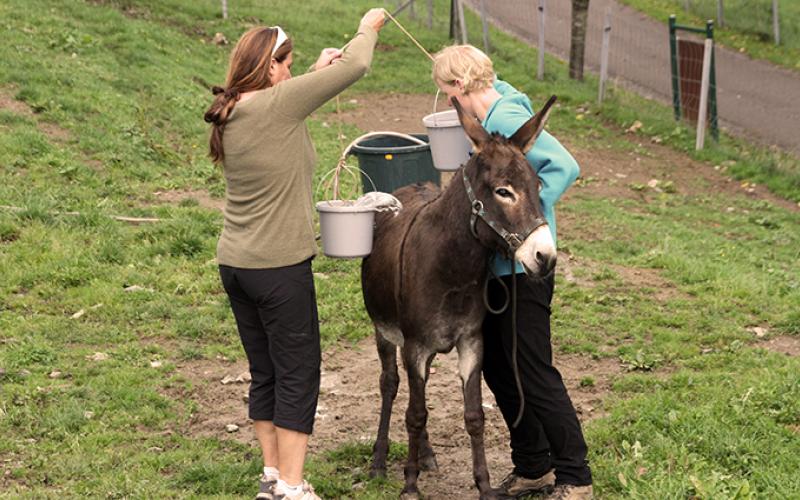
column 307, row 493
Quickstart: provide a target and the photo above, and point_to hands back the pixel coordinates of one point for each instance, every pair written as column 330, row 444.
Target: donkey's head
column 507, row 189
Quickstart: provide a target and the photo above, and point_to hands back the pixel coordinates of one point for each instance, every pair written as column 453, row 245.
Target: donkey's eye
column 505, row 193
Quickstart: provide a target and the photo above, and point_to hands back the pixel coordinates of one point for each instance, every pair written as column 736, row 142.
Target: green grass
column 748, row 25
column 125, row 80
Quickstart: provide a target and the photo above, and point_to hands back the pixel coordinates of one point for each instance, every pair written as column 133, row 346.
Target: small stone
column 219, row 39
column 24, row 373
column 244, row 377
column 88, row 415
column 228, row 379
column 231, row 428
column 636, row 126
column 433, row 371
column 55, row 374
column 98, row 356
column 79, row 314
column 652, row 183
column 730, row 209
column 155, row 364
column 760, row 332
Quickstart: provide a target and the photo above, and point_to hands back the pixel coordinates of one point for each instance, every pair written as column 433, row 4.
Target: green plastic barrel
column 393, row 162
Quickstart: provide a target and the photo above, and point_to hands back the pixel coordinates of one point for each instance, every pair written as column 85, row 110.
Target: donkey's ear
column 475, row 131
column 526, row 136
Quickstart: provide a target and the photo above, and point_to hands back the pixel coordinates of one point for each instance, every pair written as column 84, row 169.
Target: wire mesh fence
column 764, row 19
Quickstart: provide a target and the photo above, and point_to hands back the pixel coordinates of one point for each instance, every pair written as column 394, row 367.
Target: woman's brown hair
column 248, row 71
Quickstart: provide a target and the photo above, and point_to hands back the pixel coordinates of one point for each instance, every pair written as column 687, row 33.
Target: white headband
column 279, row 40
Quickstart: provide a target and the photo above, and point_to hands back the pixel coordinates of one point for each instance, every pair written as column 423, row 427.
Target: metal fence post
column 776, row 25
column 540, row 70
column 485, row 23
column 712, row 98
column 720, row 14
column 604, row 56
column 430, row 14
column 673, row 56
column 704, row 84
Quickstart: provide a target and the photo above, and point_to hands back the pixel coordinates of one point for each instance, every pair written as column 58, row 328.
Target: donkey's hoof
column 493, row 496
column 428, row 463
column 410, row 495
column 377, row 472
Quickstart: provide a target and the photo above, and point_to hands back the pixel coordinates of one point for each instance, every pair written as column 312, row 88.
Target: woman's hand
column 374, row 18
column 327, row 57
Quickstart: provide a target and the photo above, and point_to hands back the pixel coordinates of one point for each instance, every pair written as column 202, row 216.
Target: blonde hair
column 466, row 63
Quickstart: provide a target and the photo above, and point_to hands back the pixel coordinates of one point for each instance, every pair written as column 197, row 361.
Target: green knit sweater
column 269, row 164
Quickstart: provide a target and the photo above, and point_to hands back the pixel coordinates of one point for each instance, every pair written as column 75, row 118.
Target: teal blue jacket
column 557, row 169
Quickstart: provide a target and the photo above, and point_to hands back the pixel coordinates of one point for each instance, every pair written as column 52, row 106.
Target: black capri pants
column 276, row 314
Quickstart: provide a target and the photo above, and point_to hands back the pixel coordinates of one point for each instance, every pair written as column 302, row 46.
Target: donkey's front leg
column 416, row 363
column 470, row 359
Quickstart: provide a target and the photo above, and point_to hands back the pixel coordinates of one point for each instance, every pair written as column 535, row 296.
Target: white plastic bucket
column 346, row 229
column 449, row 144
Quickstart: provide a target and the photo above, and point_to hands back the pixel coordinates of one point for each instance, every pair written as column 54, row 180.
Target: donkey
column 424, row 280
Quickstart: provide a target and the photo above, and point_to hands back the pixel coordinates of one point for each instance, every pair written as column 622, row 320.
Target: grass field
column 102, row 109
column 747, row 25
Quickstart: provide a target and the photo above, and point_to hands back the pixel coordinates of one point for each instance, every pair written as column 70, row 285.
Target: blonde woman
column 547, row 448
column 260, row 137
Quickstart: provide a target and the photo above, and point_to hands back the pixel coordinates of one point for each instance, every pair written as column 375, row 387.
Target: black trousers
column 549, row 435
column 276, row 314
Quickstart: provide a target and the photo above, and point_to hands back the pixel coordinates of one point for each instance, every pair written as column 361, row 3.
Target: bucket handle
column 435, row 105
column 330, row 181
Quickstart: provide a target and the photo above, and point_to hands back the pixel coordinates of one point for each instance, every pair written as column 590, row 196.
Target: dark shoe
column 514, row 486
column 571, row 492
column 266, row 488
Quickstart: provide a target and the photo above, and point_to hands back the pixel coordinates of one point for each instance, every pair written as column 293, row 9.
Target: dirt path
column 350, row 403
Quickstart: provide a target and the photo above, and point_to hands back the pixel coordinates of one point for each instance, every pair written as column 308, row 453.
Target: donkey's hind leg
column 389, row 382
column 417, row 362
column 427, row 458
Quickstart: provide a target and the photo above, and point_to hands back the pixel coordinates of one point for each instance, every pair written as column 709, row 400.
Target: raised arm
column 300, row 96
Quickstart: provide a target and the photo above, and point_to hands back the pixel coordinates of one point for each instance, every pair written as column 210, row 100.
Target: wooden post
column 485, row 23
column 224, row 9
column 462, row 23
column 720, row 14
column 604, row 56
column 776, row 25
column 704, row 84
column 430, row 14
column 540, row 70
column 577, row 44
column 411, row 12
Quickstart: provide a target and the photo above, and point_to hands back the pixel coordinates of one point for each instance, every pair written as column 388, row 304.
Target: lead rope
column 514, row 365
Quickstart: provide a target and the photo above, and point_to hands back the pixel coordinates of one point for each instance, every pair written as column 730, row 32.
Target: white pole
column 776, row 25
column 462, row 22
column 224, row 9
column 704, row 84
column 604, row 56
column 540, row 70
column 485, row 27
column 720, row 14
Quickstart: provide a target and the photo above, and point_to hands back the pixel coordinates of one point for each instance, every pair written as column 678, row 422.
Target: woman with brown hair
column 260, row 137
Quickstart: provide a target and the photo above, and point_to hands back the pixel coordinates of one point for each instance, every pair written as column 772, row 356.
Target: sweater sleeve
column 556, row 167
column 300, row 96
